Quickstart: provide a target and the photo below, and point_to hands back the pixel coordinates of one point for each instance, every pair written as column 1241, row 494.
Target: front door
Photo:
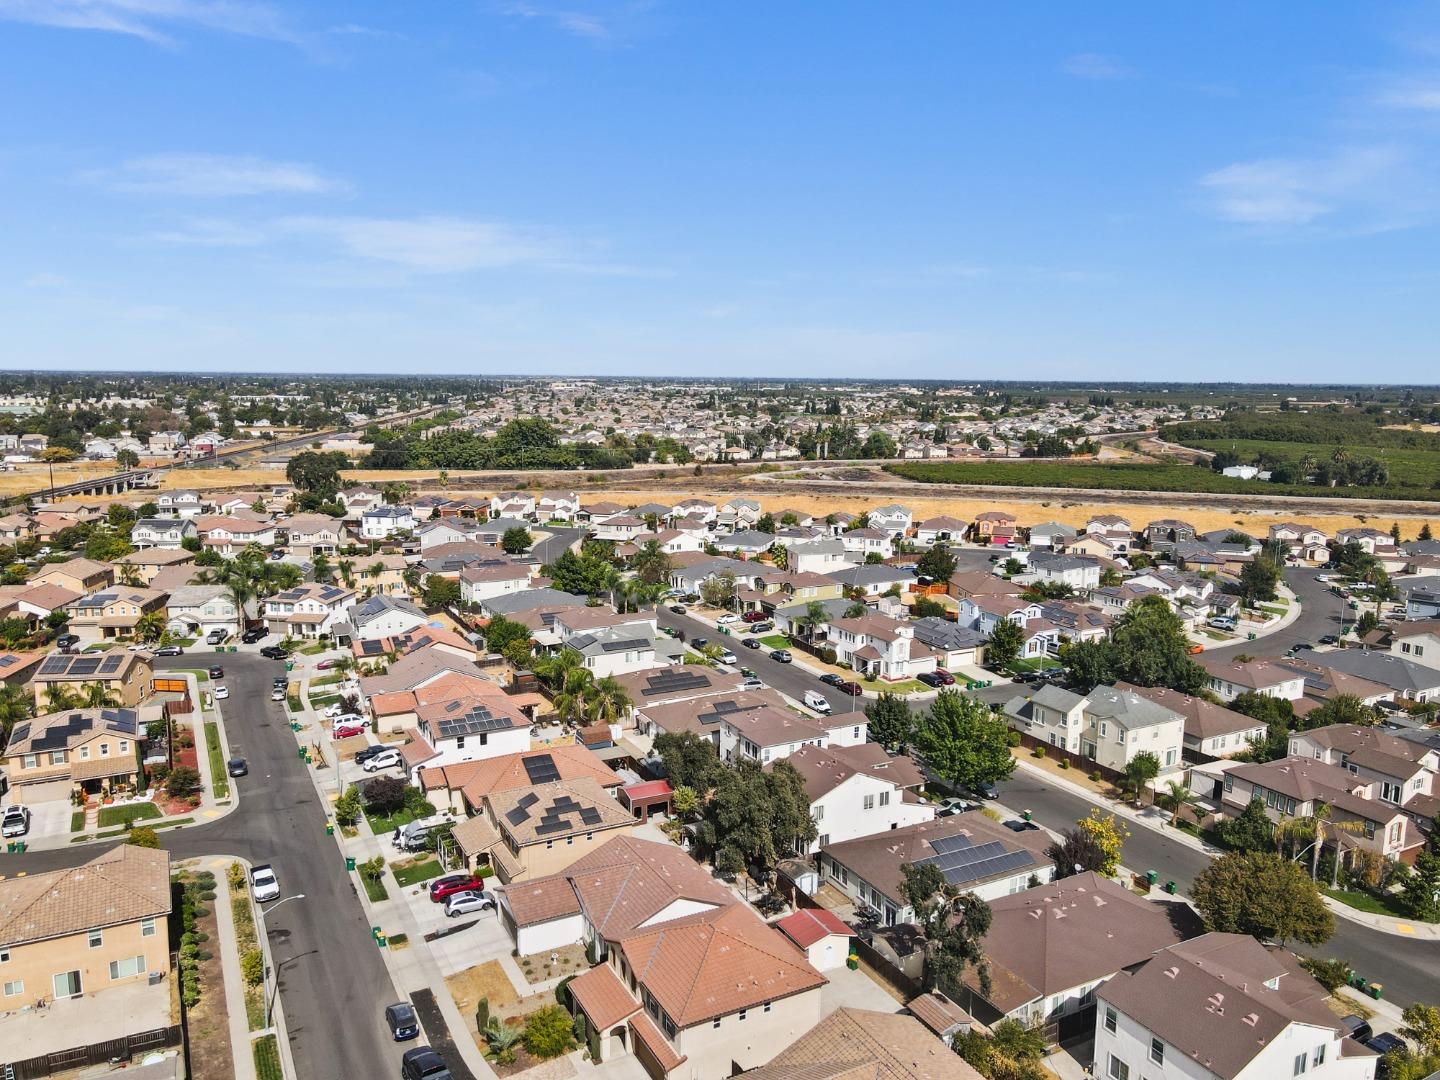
column 67, row 984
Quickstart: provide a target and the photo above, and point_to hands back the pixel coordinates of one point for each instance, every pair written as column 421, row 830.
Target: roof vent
column 1251, row 1018
column 1173, row 971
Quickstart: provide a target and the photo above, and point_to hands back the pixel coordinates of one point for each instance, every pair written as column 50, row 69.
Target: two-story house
column 879, row 647
column 557, row 506
column 310, row 610
column 56, row 754
column 1231, row 678
column 196, row 610
column 1109, row 726
column 1211, row 731
column 942, row 529
column 516, row 504
column 113, row 612
column 313, row 534
column 544, row 827
column 893, row 519
column 125, row 676
column 687, row 977
column 162, row 532
column 179, row 503
column 859, row 790
column 230, row 534
column 1400, row 769
column 383, row 522
column 1080, row 572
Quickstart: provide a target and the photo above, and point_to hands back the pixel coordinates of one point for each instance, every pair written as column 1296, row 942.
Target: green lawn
column 327, row 680
column 416, row 872
column 110, row 816
column 776, row 641
column 267, row 1058
column 1038, row 663
column 1364, row 901
column 375, row 888
column 881, row 686
column 77, row 820
column 384, row 824
column 218, row 777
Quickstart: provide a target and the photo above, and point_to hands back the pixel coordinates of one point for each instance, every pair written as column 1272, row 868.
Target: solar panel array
column 962, row 861
column 111, row 664
column 625, row 646
column 55, row 665
column 8, row 659
column 674, row 682
column 372, row 648
column 477, row 720
column 332, row 592
column 541, row 769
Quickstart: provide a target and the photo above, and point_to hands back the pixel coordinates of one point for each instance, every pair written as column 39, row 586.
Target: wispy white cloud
column 1091, row 65
column 1289, row 192
column 579, row 23
column 213, row 176
column 432, row 245
column 156, row 21
column 1422, row 95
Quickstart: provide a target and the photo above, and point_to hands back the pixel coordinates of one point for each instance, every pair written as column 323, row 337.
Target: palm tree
column 320, row 566
column 150, row 626
column 1317, row 827
column 59, row 698
column 780, row 556
column 815, row 616
column 373, row 572
column 129, row 575
column 564, row 671
column 347, row 572
column 99, row 696
column 15, row 705
column 1177, row 796
column 570, row 704
column 607, row 700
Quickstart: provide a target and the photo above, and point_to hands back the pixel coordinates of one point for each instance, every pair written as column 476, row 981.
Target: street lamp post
column 265, row 935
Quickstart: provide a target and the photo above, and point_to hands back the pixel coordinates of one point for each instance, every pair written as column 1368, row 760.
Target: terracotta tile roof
column 123, row 885
column 707, row 965
column 474, row 835
column 416, row 751
column 542, row 900
column 809, row 925
column 603, row 997
column 391, row 704
column 654, row 1042
column 857, row 1043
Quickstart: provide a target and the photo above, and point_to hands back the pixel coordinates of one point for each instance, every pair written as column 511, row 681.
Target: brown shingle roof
column 122, row 885
column 855, row 1043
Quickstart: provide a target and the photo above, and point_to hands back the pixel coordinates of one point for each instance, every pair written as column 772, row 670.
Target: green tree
column 516, row 541
column 756, row 816
column 1140, row 770
column 963, row 742
column 1420, row 891
column 142, row 836
column 1251, row 830
column 501, row 632
column 314, row 471
column 586, row 574
column 1421, row 1025
column 718, row 590
column 441, row 592
column 1259, row 579
column 1147, row 647
column 690, row 761
column 252, row 966
column 953, row 925
column 938, row 563
column 1264, row 895
column 651, row 564
column 1003, row 647
column 891, row 722
column 126, row 459
column 925, row 608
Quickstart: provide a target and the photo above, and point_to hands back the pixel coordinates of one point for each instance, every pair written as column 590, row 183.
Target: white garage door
column 49, row 791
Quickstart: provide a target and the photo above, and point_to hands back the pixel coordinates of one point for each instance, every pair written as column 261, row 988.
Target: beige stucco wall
column 751, row 1042
column 540, row 861
column 35, row 965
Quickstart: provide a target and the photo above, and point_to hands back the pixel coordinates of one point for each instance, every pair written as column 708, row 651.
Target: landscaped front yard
column 384, row 824
column 1036, row 663
column 775, row 641
column 112, row 816
column 1364, row 901
column 413, row 871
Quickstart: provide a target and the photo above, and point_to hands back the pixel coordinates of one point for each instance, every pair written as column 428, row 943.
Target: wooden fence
column 100, row 1053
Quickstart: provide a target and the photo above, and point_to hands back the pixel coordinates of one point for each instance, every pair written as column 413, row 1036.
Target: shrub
column 562, row 995
column 143, row 836
column 235, row 875
column 548, row 1032
column 1095, row 776
column 1038, row 752
column 384, row 794
column 182, row 782
column 1331, row 974
column 252, row 966
column 1012, row 739
column 1064, row 763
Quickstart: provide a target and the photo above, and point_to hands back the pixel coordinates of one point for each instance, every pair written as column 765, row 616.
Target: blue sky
column 946, row 190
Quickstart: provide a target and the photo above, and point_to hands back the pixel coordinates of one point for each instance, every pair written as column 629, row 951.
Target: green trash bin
column 349, row 862
column 329, row 828
column 1375, row 990
column 380, row 940
column 300, row 750
column 1170, row 887
column 1152, row 877
column 289, row 665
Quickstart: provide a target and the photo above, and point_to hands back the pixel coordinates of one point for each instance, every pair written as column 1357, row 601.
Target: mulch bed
column 210, row 1054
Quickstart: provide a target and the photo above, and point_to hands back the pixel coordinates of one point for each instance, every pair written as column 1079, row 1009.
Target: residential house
column 313, row 534
column 1304, row 541
column 86, row 930
column 179, row 503
column 738, row 514
column 462, row 788
column 670, row 685
column 859, row 1042
column 1098, row 545
column 982, row 612
column 616, row 650
column 495, row 577
column 310, row 610
column 940, row 530
column 879, row 647
column 77, row 575
column 873, row 580
column 1080, row 572
column 1294, row 787
column 619, row 529
column 1418, row 641
column 149, row 562
column 858, row 790
column 382, row 616
column 1050, row 947
column 1164, row 533
column 964, row 583
column 862, row 543
column 1109, row 726
column 975, row 854
column 1112, row 527
column 1371, row 541
column 670, row 941
column 1051, row 536
column 893, row 519
column 1402, row 770
column 230, row 534
column 1231, row 678
column 818, row 557
column 358, row 500
column 954, row 646
column 114, row 612
column 479, row 722
column 383, row 522
column 987, row 521
column 125, row 676
column 517, row 504
column 746, row 543
column 60, row 753
column 193, row 611
column 162, row 532
column 557, row 506
column 1211, row 731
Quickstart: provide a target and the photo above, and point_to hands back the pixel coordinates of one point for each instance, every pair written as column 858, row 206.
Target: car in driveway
column 464, row 903
column 946, row 679
column 216, row 637
column 170, row 650
column 1382, row 1044
column 450, row 884
column 264, row 885
column 347, row 731
column 423, row 1063
column 727, row 619
column 273, row 652
column 753, row 616
column 781, row 656
column 375, row 750
column 400, row 1018
column 1330, row 639
column 222, row 692
column 15, row 821
column 215, row 671
column 930, row 678
column 762, row 627
column 751, row 642
column 254, row 634
column 831, row 679
column 237, row 766
column 327, row 664
column 388, row 760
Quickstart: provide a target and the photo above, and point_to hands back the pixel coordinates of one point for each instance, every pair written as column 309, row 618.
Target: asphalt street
column 334, row 985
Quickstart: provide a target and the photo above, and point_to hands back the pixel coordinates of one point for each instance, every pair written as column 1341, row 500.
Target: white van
column 816, row 700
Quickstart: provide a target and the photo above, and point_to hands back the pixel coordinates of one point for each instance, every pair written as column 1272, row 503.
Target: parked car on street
column 222, row 692
column 450, row 884
column 854, row 689
column 277, row 693
column 781, row 656
column 264, row 885
column 831, row 679
column 699, row 642
column 678, row 609
column 728, row 657
column 216, row 671
column 400, row 1018
column 423, row 1063
column 751, row 642
column 1330, row 639
column 464, row 903
column 817, row 701
column 170, row 650
column 237, row 766
column 273, row 652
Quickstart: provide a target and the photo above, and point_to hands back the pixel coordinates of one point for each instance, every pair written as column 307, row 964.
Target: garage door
column 49, row 791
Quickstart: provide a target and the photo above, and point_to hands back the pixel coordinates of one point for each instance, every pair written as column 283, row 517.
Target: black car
column 1382, row 1044
column 216, row 671
column 401, row 1020
column 362, row 756
column 66, row 642
column 751, row 643
column 423, row 1063
column 273, row 652
column 929, row 678
column 831, row 679
column 678, row 609
column 1357, row 1027
column 781, row 656
column 699, row 642
column 254, row 634
column 169, row 650
column 237, row 766
column 1329, row 639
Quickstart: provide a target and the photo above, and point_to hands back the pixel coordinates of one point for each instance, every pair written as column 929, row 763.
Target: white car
column 348, row 720
column 16, row 821
column 728, row 657
column 463, row 903
column 221, row 693
column 726, row 620
column 264, row 885
column 388, row 760
column 816, row 700
column 332, row 711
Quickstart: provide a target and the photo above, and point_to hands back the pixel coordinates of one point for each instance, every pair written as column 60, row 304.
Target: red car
column 451, row 884
column 946, row 679
column 326, row 665
column 753, row 616
column 852, row 688
column 345, row 731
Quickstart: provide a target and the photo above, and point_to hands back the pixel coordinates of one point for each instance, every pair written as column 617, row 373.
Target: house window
column 460, row 743
column 95, row 939
column 1110, row 1019
column 127, row 968
column 1319, row 1058
column 884, row 798
column 1157, row 1051
column 1104, row 729
column 819, row 812
column 14, row 987
column 147, row 927
column 1169, row 757
column 1118, row 1069
column 104, row 749
column 741, row 1014
column 767, row 1007
column 1301, row 1061
column 31, row 760
column 57, row 757
column 4, row 956
column 1229, row 782
column 869, row 802
column 715, row 1023
column 1390, row 792
column 84, row 753
column 124, row 746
